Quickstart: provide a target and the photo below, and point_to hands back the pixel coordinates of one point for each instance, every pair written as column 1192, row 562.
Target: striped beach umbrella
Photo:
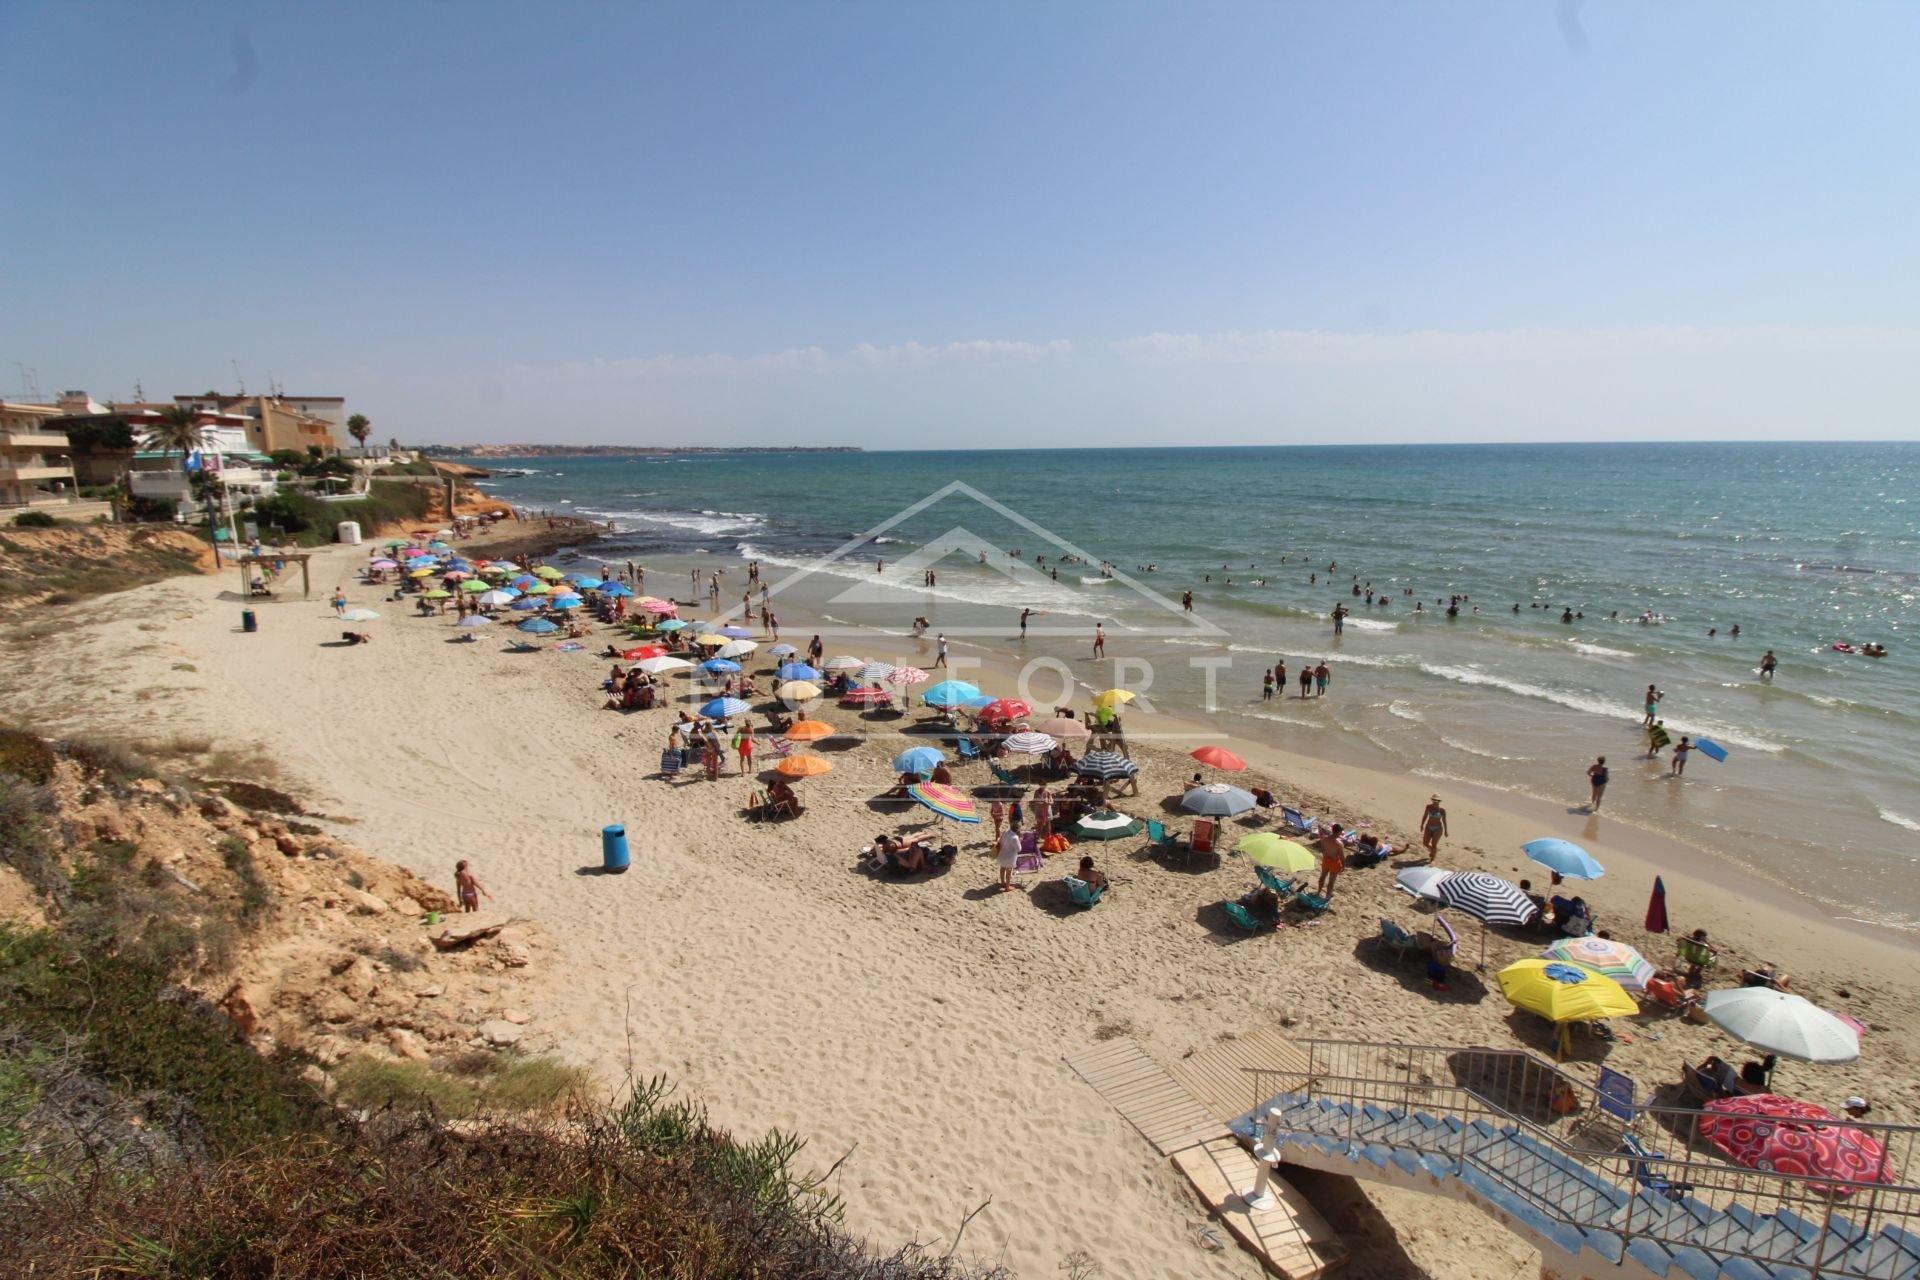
column 1484, row 896
column 1106, row 825
column 1105, row 766
column 1217, row 800
column 1029, row 743
column 865, row 697
column 948, row 802
column 874, row 671
column 724, row 709
column 907, row 675
column 1615, row 960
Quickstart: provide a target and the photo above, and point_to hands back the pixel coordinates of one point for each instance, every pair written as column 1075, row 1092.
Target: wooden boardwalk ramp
column 1141, row 1091
column 1291, row 1238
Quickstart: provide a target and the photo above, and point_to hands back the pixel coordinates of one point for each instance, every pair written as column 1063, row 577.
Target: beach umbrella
column 918, row 760
column 527, row 604
column 473, row 620
column 450, row 574
column 710, row 640
column 612, row 589
column 737, row 649
column 660, row 666
column 474, row 587
column 568, row 600
column 843, row 662
column 797, row 671
column 782, row 650
column 907, row 675
column 584, row 581
column 1657, row 907
column 644, row 651
column 672, row 624
column 568, row 646
column 437, row 545
column 804, row 766
column 865, row 697
column 358, row 615
column 537, row 626
column 735, row 633
column 522, row 581
column 1563, row 993
column 504, row 566
column 1029, row 743
column 1785, row 1135
column 720, row 666
column 1218, row 758
column 949, row 693
column 1113, row 697
column 394, row 542
column 546, row 571
column 1066, row 730
column 948, row 802
column 1606, row 957
column 419, row 573
column 724, row 709
column 498, row 598
column 1268, row 849
column 1217, row 800
column 796, row 691
column 1563, row 857
column 1001, row 709
column 1780, row 1022
column 808, row 731
column 654, row 604
column 1484, row 896
column 1106, row 825
column 384, row 563
column 874, row 671
column 1418, row 882
column 438, row 593
column 536, row 588
column 1105, row 766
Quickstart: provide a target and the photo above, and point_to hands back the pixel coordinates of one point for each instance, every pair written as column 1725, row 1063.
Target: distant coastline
column 610, row 450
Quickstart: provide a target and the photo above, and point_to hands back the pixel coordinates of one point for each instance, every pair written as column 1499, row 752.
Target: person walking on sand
column 1680, row 750
column 1099, row 640
column 998, row 813
column 940, row 650
column 1320, row 677
column 1009, row 858
column 339, row 600
column 743, row 743
column 1433, row 825
column 1652, row 705
column 1597, row 778
column 1767, row 665
column 467, row 887
column 1333, row 858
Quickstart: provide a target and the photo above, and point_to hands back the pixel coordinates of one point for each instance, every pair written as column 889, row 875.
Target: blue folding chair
column 1083, row 894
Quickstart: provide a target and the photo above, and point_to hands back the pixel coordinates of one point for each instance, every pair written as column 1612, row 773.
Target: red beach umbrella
column 1784, row 1135
column 1657, row 907
column 1004, row 709
column 1218, row 758
column 645, row 651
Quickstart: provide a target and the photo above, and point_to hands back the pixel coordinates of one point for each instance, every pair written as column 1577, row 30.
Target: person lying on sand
column 356, row 637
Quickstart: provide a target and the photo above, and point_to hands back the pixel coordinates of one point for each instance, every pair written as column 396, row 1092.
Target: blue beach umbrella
column 568, row 600
column 724, row 709
column 1564, row 858
column 537, row 626
column 671, row 624
column 797, row 671
column 615, row 589
column 526, row 604
column 736, row 633
column 720, row 666
column 950, row 693
column 918, row 760
column 522, row 582
column 475, row 620
column 585, row 581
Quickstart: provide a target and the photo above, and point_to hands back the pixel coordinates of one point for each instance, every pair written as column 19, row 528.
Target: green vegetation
column 308, row 521
column 359, row 428
column 482, row 1082
column 35, row 520
column 418, row 467
column 102, row 433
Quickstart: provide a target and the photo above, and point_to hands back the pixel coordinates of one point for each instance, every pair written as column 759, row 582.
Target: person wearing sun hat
column 1857, row 1107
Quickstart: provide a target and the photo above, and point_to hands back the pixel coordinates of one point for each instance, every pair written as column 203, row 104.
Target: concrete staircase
column 1590, row 1212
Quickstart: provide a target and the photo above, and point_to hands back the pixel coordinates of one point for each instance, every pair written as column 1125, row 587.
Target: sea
column 1659, row 551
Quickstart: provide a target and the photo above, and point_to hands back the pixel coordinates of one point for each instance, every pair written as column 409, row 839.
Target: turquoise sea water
column 1800, row 545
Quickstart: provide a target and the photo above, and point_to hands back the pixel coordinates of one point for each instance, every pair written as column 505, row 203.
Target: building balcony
column 30, row 439
column 33, row 471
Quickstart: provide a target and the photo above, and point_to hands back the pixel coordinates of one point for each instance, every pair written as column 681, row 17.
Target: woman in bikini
column 1433, row 825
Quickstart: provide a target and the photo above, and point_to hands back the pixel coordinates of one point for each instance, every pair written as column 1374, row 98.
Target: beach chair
column 670, row 762
column 965, row 749
column 1271, row 879
column 1643, row 1171
column 1158, row 838
column 1297, row 821
column 1613, row 1096
column 1296, row 895
column 1399, row 941
column 758, row 810
column 1695, row 954
column 1029, row 858
column 1005, row 776
column 1082, row 894
column 781, row 747
column 1203, row 833
column 1242, row 917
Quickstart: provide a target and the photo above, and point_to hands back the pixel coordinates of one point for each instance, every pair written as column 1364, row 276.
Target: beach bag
column 1056, row 844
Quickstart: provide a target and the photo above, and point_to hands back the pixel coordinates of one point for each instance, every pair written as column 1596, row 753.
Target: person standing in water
column 1767, row 665
column 1306, row 681
column 1680, row 750
column 1597, row 778
column 1024, row 615
column 1099, row 641
column 1652, row 705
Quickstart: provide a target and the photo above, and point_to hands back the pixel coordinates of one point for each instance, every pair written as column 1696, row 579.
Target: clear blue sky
column 919, row 224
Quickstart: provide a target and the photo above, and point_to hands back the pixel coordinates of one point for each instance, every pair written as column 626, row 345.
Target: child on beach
column 1266, row 687
column 998, row 812
column 467, row 887
column 1680, row 750
column 1009, row 857
column 1653, row 704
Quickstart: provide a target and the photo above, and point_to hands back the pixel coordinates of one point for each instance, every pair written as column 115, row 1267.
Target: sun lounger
column 1082, row 894
column 1029, row 858
column 1613, row 1100
column 965, row 749
column 1004, row 776
column 1243, row 917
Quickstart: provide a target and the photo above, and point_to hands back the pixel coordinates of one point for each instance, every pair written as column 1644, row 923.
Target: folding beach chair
column 1082, row 894
column 1399, row 941
column 1613, row 1101
column 1029, row 858
column 1203, row 832
column 1241, row 916
column 670, row 762
column 1005, row 777
column 965, row 749
column 1643, row 1171
column 1297, row 821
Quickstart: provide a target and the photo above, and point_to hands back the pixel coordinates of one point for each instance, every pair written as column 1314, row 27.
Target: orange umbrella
column 804, row 766
column 809, row 731
column 1219, row 758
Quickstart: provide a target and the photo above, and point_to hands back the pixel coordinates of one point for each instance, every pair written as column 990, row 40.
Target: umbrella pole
column 1482, row 966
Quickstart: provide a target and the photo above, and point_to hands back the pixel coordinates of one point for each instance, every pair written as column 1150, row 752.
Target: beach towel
column 1657, row 738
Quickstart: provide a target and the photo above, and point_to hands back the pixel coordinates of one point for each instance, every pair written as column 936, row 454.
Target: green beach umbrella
column 537, row 589
column 548, row 572
column 1106, row 825
column 1267, row 849
column 438, row 593
column 474, row 585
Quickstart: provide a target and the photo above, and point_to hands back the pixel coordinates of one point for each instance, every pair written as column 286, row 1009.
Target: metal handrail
column 1866, row 1202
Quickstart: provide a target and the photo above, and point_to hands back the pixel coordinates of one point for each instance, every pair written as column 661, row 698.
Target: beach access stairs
column 1482, row 1126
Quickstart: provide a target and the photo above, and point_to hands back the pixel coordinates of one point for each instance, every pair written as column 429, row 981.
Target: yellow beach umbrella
column 1562, row 993
column 1114, row 697
column 420, row 573
column 799, row 691
column 548, row 572
column 709, row 639
column 1268, row 849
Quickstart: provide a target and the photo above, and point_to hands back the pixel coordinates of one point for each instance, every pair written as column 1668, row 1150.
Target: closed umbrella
column 1105, row 766
column 804, row 766
column 948, row 802
column 1066, row 730
column 918, row 760
column 1785, row 1135
column 1106, row 825
column 1268, row 849
column 1217, row 800
column 1783, row 1023
column 724, row 709
column 1218, row 758
column 1564, row 857
column 1606, row 957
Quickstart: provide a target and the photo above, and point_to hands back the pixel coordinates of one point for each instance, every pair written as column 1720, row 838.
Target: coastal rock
column 406, row 1044
column 358, row 980
column 428, row 993
column 519, row 1017
column 500, row 1033
column 403, row 905
column 319, row 1079
column 465, row 930
column 369, row 902
column 332, row 1007
column 512, row 955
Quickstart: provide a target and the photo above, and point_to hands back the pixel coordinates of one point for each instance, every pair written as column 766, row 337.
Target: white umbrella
column 1418, row 882
column 1029, row 743
column 845, row 662
column 1783, row 1023
column 660, row 666
column 737, row 649
column 498, row 598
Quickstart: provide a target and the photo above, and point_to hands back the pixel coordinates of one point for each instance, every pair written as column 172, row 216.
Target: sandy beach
column 914, row 1029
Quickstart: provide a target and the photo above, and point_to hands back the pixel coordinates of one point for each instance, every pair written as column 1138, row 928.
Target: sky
column 995, row 224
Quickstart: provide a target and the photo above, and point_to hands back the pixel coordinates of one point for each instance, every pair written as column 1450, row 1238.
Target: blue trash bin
column 248, row 622
column 613, row 847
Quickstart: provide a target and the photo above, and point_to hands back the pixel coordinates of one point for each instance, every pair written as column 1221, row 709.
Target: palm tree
column 178, row 431
column 359, row 428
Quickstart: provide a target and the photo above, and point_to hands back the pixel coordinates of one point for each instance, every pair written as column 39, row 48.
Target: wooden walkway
column 1291, row 1239
column 1146, row 1096
column 1218, row 1076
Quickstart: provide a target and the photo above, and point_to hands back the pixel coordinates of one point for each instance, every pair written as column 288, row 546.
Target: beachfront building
column 36, row 459
column 281, row 422
column 227, row 454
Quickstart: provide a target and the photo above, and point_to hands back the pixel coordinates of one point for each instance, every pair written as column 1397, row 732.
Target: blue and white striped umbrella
column 1484, row 896
column 1029, row 743
column 724, row 709
column 1104, row 766
column 874, row 671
